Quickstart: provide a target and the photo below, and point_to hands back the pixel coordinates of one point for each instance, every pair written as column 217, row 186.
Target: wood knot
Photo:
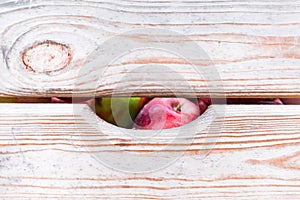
column 47, row 57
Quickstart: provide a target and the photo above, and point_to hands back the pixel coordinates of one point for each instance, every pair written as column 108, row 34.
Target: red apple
column 69, row 100
column 253, row 101
column 295, row 101
column 164, row 113
column 202, row 102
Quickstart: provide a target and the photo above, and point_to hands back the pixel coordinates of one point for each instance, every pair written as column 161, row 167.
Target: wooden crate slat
column 256, row 155
column 253, row 45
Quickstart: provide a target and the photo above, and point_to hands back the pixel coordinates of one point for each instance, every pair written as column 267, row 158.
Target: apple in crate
column 274, row 101
column 82, row 100
column 164, row 113
column 119, row 111
column 205, row 102
column 9, row 100
column 25, row 100
column 295, row 101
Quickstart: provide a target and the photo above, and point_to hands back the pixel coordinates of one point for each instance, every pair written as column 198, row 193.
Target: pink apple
column 164, row 113
column 89, row 102
column 69, row 100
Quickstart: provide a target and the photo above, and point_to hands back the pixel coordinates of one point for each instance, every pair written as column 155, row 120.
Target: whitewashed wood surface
column 254, row 45
column 45, row 150
column 256, row 156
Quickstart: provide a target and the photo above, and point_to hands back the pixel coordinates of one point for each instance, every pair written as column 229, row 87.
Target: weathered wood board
column 253, row 47
column 246, row 49
column 256, row 156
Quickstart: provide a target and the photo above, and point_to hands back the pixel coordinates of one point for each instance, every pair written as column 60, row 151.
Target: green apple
column 9, row 100
column 119, row 111
column 25, row 100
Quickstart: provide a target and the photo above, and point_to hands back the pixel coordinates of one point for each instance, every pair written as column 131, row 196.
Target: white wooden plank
column 256, row 155
column 252, row 45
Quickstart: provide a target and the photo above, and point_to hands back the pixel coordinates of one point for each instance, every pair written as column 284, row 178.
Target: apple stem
column 177, row 108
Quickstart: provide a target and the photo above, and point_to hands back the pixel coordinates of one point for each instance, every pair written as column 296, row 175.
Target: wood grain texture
column 254, row 47
column 46, row 152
